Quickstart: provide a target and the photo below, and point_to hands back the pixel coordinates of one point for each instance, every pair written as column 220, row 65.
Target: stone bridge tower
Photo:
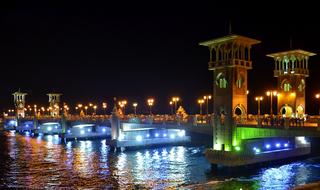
column 19, row 103
column 291, row 69
column 229, row 60
column 54, row 101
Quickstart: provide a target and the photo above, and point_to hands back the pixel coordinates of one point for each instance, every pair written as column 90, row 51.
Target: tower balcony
column 230, row 63
column 295, row 71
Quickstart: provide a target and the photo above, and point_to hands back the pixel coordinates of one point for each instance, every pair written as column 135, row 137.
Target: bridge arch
column 286, row 110
column 239, row 110
column 300, row 111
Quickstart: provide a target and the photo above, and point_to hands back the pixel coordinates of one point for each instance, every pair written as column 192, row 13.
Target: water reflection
column 46, row 162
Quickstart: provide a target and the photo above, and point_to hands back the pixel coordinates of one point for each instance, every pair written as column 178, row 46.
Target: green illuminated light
column 237, row 148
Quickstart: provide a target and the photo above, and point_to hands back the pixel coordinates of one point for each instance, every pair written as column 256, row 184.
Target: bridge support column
column 115, row 127
column 35, row 123
column 63, row 125
column 17, row 121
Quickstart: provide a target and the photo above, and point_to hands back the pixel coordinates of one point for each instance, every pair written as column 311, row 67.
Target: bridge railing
column 278, row 121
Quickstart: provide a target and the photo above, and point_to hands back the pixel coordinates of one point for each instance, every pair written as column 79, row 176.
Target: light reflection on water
column 44, row 162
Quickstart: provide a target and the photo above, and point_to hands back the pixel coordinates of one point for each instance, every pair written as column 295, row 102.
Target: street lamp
column 95, row 109
column 150, row 104
column 207, row 98
column 123, row 104
column 175, row 100
column 259, row 99
column 35, row 109
column 271, row 94
column 318, row 97
column 86, row 108
column 200, row 102
column 171, row 105
column 135, row 104
column 104, row 106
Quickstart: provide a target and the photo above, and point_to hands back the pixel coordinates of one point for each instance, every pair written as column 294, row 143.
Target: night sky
column 93, row 52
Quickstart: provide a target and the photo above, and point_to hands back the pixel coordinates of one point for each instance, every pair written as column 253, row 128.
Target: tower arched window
column 221, row 81
column 240, row 81
column 286, row 86
column 302, row 85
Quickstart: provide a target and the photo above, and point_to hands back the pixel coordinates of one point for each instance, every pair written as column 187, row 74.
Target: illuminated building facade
column 230, row 59
column 291, row 69
column 19, row 103
column 54, row 100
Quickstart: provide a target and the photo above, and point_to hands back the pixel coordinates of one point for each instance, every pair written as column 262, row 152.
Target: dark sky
column 95, row 51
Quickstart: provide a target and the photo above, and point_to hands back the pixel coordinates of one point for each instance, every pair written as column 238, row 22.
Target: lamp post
column 259, row 99
column 124, row 103
column 271, row 94
column 200, row 102
column 150, row 104
column 171, row 106
column 104, row 106
column 95, row 109
column 207, row 98
column 318, row 97
column 135, row 104
column 175, row 100
column 86, row 108
column 35, row 110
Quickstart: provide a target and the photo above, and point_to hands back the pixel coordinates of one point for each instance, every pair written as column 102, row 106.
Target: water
column 38, row 163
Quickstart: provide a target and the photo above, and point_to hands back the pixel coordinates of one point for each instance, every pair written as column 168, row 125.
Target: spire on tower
column 230, row 27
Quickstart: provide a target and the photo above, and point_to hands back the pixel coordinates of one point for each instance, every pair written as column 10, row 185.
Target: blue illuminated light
column 121, row 137
column 181, row 133
column 268, row 146
column 56, row 127
column 82, row 132
column 286, row 145
column 27, row 125
column 139, row 138
column 103, row 130
column 278, row 145
column 69, row 131
column 172, row 136
column 254, row 148
column 156, row 135
column 148, row 135
column 257, row 150
column 49, row 128
column 89, row 130
column 164, row 135
column 27, row 133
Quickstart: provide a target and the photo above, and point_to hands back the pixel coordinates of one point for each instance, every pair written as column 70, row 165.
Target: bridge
column 237, row 138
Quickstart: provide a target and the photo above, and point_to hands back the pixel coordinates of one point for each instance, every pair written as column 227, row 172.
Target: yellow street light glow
column 135, row 104
column 317, row 96
column 207, row 97
column 150, row 101
column 80, row 105
column 90, row 104
column 259, row 98
column 247, row 92
column 95, row 107
column 275, row 93
column 200, row 101
column 170, row 102
column 175, row 99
